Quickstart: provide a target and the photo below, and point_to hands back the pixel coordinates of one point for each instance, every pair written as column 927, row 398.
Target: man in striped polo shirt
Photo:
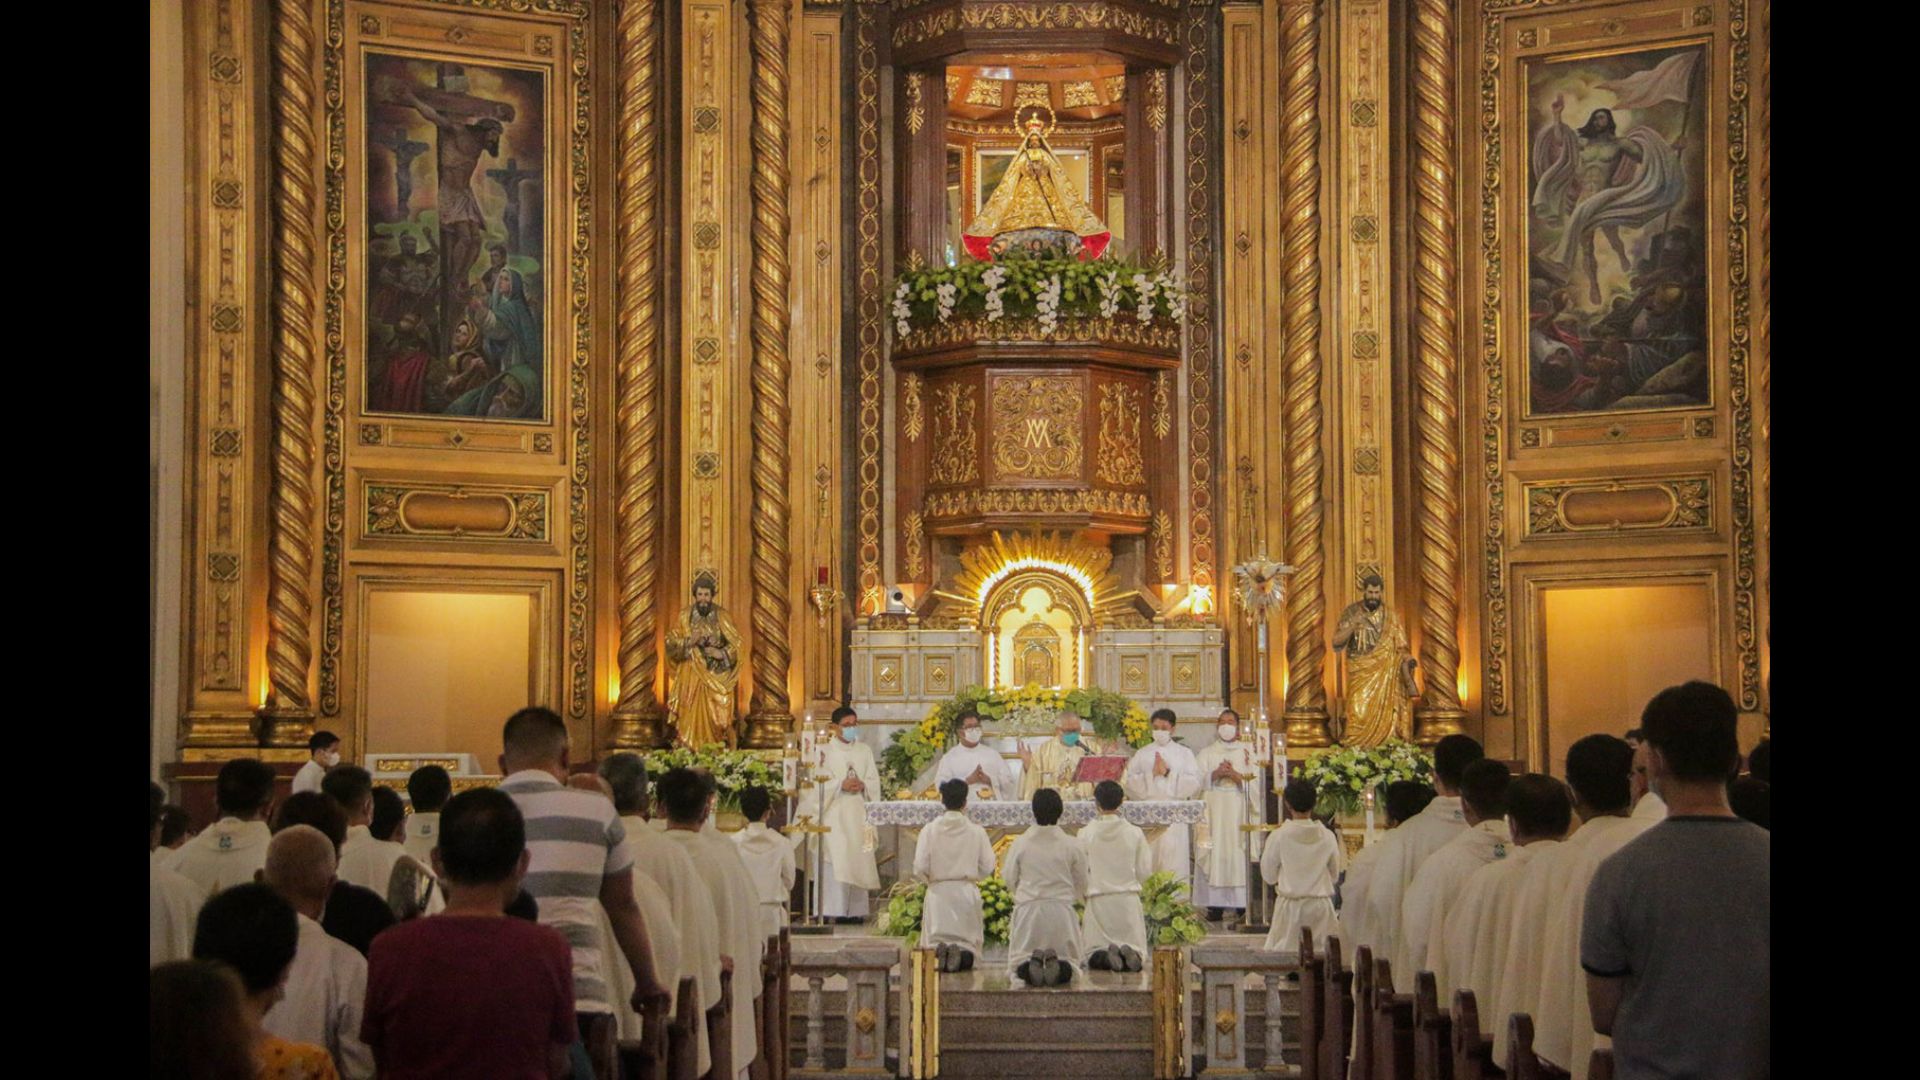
column 577, row 857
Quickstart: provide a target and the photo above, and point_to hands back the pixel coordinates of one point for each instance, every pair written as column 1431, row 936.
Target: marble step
column 965, row 1061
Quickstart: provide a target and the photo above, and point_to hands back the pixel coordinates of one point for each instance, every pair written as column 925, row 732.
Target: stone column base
column 285, row 727
column 639, row 730
column 766, row 731
column 1307, row 727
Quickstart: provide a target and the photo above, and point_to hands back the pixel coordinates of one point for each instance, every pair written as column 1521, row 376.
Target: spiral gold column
column 289, row 707
column 1306, row 711
column 637, row 715
column 770, row 712
column 1436, row 374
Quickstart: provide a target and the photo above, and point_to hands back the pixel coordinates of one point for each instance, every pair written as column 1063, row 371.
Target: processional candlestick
column 1261, row 586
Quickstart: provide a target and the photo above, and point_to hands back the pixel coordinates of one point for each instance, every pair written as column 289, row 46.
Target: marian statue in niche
column 1037, row 209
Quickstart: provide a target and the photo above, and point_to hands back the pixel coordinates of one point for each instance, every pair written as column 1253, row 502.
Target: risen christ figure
column 1592, row 179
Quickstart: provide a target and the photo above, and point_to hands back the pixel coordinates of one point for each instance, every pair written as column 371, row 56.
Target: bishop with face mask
column 1054, row 763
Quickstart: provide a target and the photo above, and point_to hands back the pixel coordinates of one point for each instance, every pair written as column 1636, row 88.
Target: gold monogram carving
column 1120, row 461
column 1036, row 426
column 911, row 419
column 954, row 461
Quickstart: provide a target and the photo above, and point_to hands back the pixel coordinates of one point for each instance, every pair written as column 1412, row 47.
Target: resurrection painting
column 456, row 239
column 1616, row 232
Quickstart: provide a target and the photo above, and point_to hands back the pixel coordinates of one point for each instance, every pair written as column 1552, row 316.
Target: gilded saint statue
column 1380, row 688
column 1037, row 208
column 704, row 650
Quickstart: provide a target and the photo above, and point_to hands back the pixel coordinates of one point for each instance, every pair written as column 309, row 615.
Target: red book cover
column 1092, row 770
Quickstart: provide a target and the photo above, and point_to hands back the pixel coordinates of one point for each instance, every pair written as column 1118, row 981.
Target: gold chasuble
column 1037, row 203
column 704, row 650
column 1379, row 699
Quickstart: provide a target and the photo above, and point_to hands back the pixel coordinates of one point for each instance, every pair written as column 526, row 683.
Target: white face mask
column 846, row 733
column 1162, row 736
column 330, row 758
column 971, row 736
column 1228, row 732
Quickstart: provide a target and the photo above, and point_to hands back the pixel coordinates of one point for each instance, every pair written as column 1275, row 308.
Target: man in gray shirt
column 1676, row 933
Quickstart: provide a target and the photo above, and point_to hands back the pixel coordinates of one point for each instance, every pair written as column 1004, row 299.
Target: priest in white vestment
column 1220, row 866
column 1423, row 911
column 1600, row 769
column 982, row 767
column 1402, row 800
column 1301, row 860
column 323, row 753
column 663, row 941
column 687, row 797
column 1403, row 850
column 1164, row 769
column 671, row 868
column 1046, row 870
column 1471, row 950
column 1119, row 861
column 231, row 850
column 1054, row 762
column 768, row 857
column 848, row 871
column 952, row 856
column 324, row 995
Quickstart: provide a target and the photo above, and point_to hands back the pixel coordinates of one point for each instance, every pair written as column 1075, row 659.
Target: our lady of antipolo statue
column 1037, row 208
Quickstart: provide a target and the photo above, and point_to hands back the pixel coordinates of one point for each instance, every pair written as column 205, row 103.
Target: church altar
column 1146, row 813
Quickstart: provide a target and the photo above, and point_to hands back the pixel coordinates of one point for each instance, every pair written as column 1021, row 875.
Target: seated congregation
column 594, row 924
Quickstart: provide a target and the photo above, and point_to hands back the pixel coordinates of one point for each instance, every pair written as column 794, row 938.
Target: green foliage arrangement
column 1114, row 718
column 906, row 903
column 733, row 770
column 1342, row 775
column 1171, row 917
column 1046, row 287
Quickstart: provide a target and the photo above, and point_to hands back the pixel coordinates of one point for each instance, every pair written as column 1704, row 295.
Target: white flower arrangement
column 1143, row 291
column 1047, row 304
column 996, row 299
column 943, row 298
column 1109, row 294
column 1174, row 290
column 901, row 311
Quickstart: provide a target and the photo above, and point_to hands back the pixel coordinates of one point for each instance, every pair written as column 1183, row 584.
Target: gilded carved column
column 771, row 712
column 637, row 715
column 289, row 707
column 1436, row 374
column 1306, row 711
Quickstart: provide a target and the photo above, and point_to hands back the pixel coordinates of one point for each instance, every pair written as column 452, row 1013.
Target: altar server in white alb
column 1164, row 769
column 953, row 854
column 769, row 859
column 1423, row 913
column 1470, row 952
column 1405, row 848
column 981, row 767
column 1600, row 768
column 323, row 753
column 847, row 867
column 1047, row 873
column 1113, row 928
column 1229, row 769
column 1301, row 860
column 687, row 797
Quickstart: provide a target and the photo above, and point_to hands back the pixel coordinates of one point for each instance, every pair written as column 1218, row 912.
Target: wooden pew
column 1472, row 1050
column 1600, row 1064
column 683, row 1057
column 1337, row 1033
column 1360, row 1066
column 770, row 1010
column 720, row 1029
column 1432, row 1032
column 1392, row 1027
column 646, row 1058
column 1522, row 1063
column 1313, row 1006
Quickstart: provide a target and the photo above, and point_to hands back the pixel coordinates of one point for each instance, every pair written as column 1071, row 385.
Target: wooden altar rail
column 1224, row 971
column 868, row 969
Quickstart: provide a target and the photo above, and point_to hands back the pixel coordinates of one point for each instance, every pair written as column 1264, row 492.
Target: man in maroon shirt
column 470, row 992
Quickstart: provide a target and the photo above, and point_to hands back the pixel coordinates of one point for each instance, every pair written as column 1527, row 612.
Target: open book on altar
column 1092, row 769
